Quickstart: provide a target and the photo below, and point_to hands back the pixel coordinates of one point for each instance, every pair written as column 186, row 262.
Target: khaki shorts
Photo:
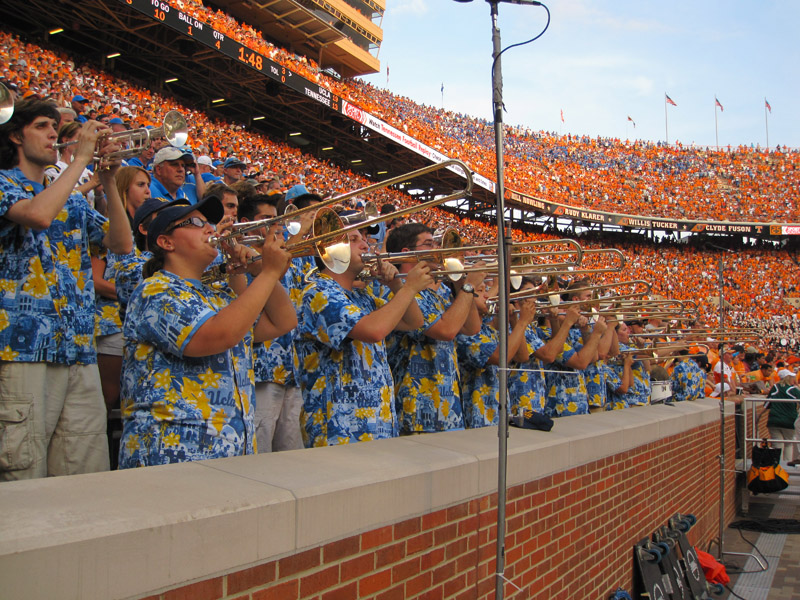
column 52, row 420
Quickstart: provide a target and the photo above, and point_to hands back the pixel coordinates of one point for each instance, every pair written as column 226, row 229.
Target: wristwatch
column 469, row 288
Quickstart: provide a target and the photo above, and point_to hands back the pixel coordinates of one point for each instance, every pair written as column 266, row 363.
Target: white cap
column 785, row 373
column 205, row 160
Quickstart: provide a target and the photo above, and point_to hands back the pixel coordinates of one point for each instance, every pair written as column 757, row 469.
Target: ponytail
column 153, row 265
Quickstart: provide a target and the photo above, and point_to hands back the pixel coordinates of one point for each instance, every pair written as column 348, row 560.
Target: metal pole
column 502, row 303
column 721, row 402
column 666, row 120
column 766, row 122
column 716, row 128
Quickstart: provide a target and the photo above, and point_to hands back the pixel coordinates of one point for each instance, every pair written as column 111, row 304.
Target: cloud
column 413, row 7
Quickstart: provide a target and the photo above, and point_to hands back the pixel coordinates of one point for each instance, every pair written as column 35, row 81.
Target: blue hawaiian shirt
column 346, row 384
column 639, row 392
column 526, row 387
column 688, row 380
column 274, row 360
column 178, row 408
column 480, row 391
column 425, row 371
column 47, row 305
column 107, row 316
column 566, row 387
column 613, row 380
column 127, row 274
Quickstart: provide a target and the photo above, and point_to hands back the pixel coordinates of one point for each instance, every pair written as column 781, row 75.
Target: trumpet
column 174, row 129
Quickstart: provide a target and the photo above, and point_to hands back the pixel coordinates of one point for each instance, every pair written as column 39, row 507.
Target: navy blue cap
column 233, row 162
column 210, row 206
column 147, row 208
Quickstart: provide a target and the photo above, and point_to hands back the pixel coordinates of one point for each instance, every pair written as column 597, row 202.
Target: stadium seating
column 757, row 279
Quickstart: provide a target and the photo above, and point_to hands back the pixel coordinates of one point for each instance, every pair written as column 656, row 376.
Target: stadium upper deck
column 758, row 279
column 633, row 178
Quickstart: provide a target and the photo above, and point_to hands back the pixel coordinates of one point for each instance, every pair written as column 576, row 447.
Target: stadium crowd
column 297, row 351
column 638, row 178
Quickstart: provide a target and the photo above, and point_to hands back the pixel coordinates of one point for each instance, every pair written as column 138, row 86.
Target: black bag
column 766, row 476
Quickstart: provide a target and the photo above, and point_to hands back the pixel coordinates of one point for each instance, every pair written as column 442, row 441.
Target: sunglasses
column 193, row 221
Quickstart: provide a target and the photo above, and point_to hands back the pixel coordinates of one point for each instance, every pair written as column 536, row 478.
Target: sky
column 604, row 61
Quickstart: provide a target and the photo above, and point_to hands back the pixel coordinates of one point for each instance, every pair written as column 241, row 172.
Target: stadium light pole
column 502, row 294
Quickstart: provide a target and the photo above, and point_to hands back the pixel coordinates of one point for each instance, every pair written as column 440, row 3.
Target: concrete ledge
column 130, row 533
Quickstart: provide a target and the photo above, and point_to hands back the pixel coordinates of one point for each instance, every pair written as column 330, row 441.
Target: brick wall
column 569, row 535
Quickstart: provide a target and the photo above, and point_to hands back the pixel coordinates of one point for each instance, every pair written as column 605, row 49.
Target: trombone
column 329, row 232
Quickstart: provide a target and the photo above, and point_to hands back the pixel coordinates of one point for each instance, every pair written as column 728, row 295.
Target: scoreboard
column 205, row 34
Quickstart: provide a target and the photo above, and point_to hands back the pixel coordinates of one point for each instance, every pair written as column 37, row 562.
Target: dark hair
column 405, row 236
column 156, row 263
column 248, row 208
column 25, row 113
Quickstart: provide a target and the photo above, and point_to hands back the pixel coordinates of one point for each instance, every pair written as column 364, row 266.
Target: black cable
column 732, row 593
column 774, row 526
column 741, row 571
column 533, row 39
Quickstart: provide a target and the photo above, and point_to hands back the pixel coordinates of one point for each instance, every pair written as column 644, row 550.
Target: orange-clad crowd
column 636, row 178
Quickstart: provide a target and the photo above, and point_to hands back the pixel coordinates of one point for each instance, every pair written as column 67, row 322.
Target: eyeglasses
column 193, row 221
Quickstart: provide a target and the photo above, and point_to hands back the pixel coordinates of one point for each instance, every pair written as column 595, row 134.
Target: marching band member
column 688, row 379
column 52, row 412
column 340, row 357
column 526, row 386
column 639, row 392
column 566, row 385
column 424, row 361
column 187, row 387
column 594, row 373
column 478, row 357
column 277, row 396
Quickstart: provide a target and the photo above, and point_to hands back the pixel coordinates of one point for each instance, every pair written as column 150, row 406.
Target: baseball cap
column 216, row 163
column 210, row 206
column 148, row 207
column 233, row 162
column 205, row 160
column 785, row 373
column 167, row 153
column 79, row 98
column 116, row 121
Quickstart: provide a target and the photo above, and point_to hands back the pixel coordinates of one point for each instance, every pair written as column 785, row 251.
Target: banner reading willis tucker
column 634, row 222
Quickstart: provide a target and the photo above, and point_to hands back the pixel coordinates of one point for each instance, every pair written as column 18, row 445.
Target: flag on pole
column 769, row 108
column 562, row 115
column 669, row 100
column 716, row 102
column 632, row 121
column 387, row 73
column 442, row 90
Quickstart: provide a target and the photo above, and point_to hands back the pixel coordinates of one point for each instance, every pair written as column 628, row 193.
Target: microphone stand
column 502, row 303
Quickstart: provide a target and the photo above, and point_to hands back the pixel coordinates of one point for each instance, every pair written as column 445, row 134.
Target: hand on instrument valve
column 419, row 277
column 600, row 325
column 475, row 278
column 275, row 258
column 87, row 138
column 572, row 315
column 527, row 310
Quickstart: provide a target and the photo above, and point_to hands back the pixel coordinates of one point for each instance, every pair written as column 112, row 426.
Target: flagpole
column 766, row 122
column 666, row 121
column 716, row 128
